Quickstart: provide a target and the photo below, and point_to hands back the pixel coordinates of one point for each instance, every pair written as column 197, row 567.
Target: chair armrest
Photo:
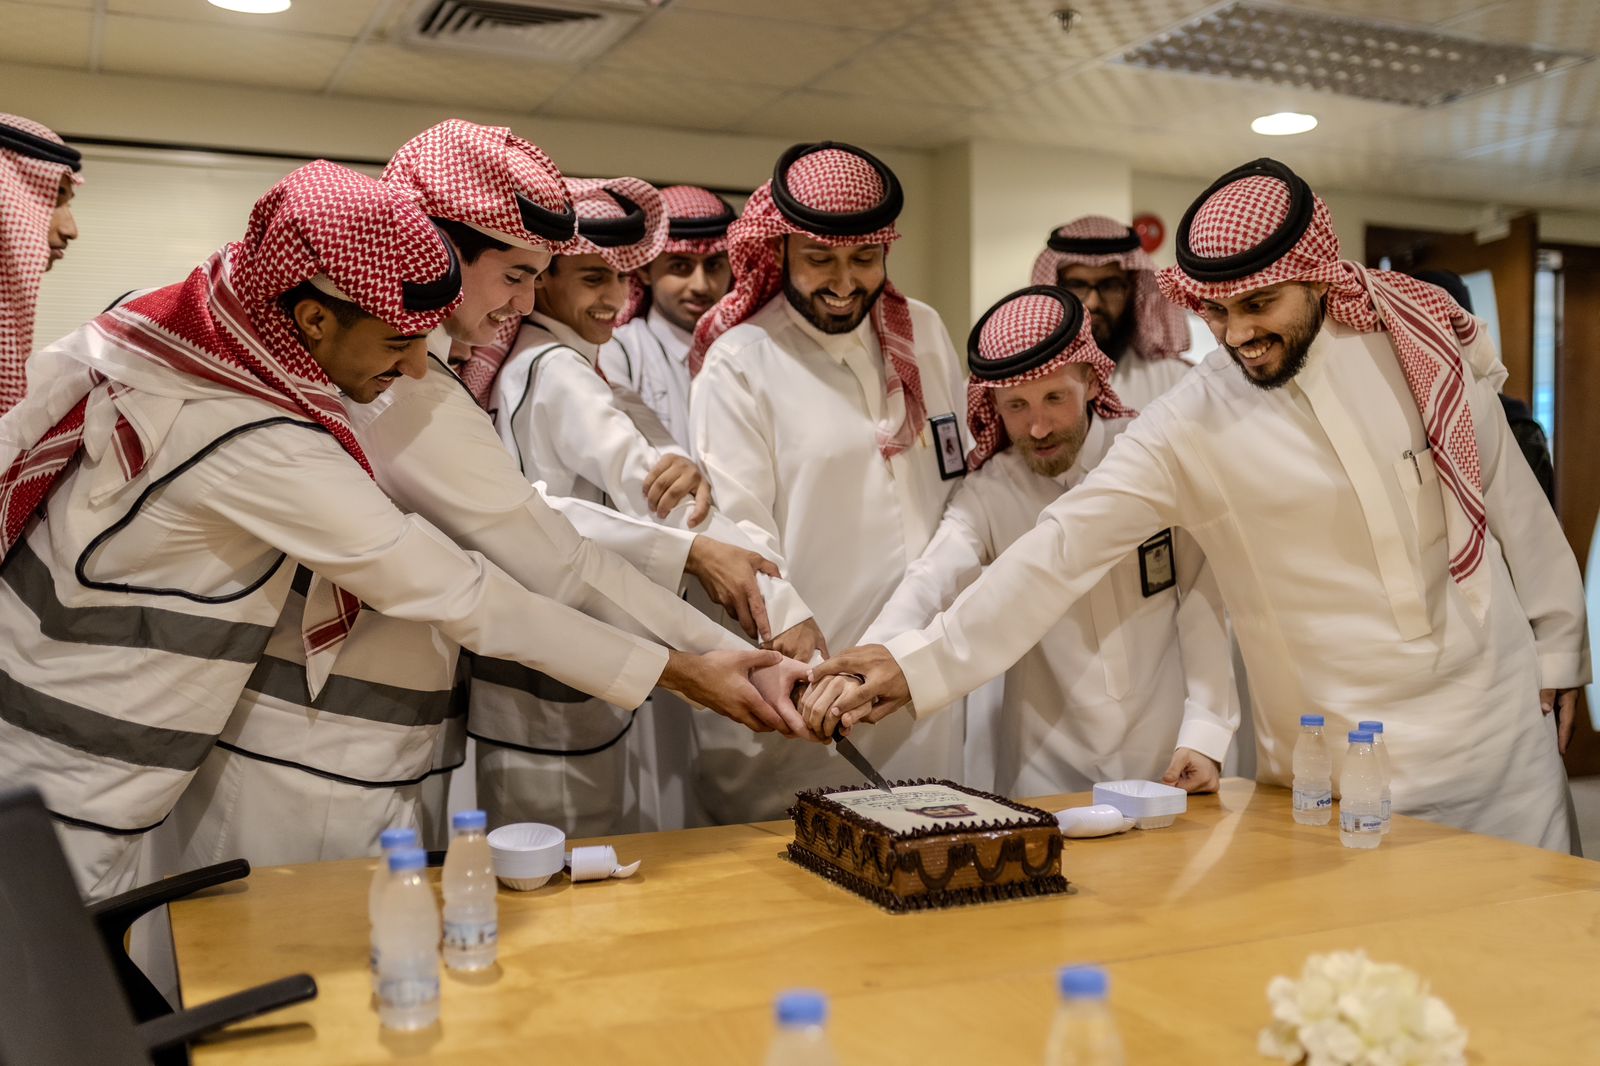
column 182, row 1026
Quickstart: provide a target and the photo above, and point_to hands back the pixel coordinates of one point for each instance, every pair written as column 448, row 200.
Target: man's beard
column 1060, row 462
column 1116, row 338
column 1296, row 342
column 812, row 309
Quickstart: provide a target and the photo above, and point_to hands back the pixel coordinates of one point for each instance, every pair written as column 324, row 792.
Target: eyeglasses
column 1108, row 289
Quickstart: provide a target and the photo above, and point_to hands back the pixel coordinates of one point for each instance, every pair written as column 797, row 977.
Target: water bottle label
column 1351, row 822
column 468, row 935
column 1313, row 801
column 1384, row 808
column 404, row 992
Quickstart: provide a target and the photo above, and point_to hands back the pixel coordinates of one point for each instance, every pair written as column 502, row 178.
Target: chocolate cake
column 932, row 844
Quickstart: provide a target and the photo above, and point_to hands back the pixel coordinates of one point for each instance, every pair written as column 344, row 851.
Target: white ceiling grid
column 907, row 73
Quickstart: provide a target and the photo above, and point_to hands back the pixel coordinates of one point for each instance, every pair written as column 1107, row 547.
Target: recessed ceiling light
column 253, row 7
column 1284, row 123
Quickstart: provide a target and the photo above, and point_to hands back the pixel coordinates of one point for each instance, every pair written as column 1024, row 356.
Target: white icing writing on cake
column 923, row 807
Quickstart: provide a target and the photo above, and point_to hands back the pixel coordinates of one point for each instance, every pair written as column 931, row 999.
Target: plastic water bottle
column 1361, row 794
column 408, row 945
column 388, row 840
column 471, row 917
column 801, row 1039
column 1313, row 774
column 1381, row 746
column 1084, row 1033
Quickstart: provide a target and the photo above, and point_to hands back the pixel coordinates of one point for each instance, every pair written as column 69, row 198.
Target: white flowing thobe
column 1138, row 381
column 1318, row 506
column 1124, row 677
column 784, row 420
column 651, row 356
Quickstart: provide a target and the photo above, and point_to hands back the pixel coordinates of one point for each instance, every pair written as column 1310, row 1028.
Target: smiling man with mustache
column 1345, row 464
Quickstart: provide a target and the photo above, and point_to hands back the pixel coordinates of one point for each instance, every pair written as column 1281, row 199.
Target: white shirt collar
column 839, row 346
column 567, row 336
column 673, row 340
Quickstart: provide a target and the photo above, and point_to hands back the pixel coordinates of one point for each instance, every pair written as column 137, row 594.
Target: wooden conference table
column 680, row 964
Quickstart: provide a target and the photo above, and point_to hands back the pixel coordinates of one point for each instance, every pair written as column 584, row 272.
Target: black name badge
column 1156, row 571
column 947, row 442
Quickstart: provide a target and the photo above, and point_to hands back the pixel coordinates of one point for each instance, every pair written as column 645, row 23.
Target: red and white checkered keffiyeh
column 842, row 182
column 683, row 204
column 473, row 174
column 1429, row 331
column 28, row 188
column 1159, row 328
column 223, row 327
column 1014, row 325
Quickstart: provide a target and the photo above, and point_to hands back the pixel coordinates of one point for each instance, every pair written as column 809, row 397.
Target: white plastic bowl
column 1150, row 804
column 527, row 854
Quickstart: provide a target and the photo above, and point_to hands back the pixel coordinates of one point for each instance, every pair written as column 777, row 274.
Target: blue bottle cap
column 398, row 837
column 1082, row 982
column 1360, row 736
column 1371, row 727
column 468, row 820
column 1311, row 719
column 407, row 859
column 802, row 1007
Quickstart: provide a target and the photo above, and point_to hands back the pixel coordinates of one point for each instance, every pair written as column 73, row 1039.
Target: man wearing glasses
column 1099, row 261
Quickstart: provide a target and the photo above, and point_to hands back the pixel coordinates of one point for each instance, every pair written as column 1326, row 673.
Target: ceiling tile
column 45, row 36
column 337, row 18
column 201, row 52
column 919, row 70
column 1424, row 11
column 81, row 5
column 758, row 51
column 1563, row 24
column 1102, row 27
column 448, row 76
column 807, row 115
column 684, row 100
column 1569, row 96
column 833, row 14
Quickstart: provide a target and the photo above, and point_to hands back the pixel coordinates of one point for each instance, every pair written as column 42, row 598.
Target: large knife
column 858, row 760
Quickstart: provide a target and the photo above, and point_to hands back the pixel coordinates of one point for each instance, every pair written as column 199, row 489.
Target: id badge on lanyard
column 1156, row 570
column 947, row 445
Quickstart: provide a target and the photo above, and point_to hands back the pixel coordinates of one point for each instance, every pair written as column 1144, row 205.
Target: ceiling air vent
column 1396, row 64
column 560, row 31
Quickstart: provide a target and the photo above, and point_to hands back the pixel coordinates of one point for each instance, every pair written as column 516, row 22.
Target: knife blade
column 853, row 755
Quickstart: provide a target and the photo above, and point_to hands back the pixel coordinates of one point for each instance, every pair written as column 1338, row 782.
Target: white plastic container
column 471, row 916
column 527, row 854
column 1313, row 773
column 407, row 936
column 1150, row 804
column 389, row 840
column 1098, row 821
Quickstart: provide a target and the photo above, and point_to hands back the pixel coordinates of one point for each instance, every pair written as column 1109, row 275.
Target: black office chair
column 60, row 1001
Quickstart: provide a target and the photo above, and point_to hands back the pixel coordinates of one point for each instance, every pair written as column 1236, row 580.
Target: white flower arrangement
column 1346, row 1010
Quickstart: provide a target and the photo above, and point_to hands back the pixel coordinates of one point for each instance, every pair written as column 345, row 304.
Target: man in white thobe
column 1101, row 262
column 300, row 779
column 828, row 414
column 1135, row 680
column 174, row 453
column 546, row 753
column 1383, row 549
column 649, row 351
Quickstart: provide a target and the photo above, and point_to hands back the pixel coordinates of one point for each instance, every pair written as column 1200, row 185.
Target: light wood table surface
column 680, row 963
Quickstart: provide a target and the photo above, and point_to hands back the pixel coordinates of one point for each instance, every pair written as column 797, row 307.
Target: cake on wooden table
column 931, row 844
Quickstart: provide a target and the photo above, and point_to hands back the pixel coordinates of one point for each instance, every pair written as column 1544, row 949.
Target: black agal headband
column 1058, row 340
column 836, row 223
column 707, row 228
column 1302, row 205
column 1093, row 245
column 424, row 296
column 555, row 226
column 631, row 228
column 35, row 147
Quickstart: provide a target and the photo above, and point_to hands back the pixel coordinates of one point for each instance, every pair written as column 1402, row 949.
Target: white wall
column 200, row 201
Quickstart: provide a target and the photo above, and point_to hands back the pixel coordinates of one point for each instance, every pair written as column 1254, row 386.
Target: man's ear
column 313, row 321
column 780, row 248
